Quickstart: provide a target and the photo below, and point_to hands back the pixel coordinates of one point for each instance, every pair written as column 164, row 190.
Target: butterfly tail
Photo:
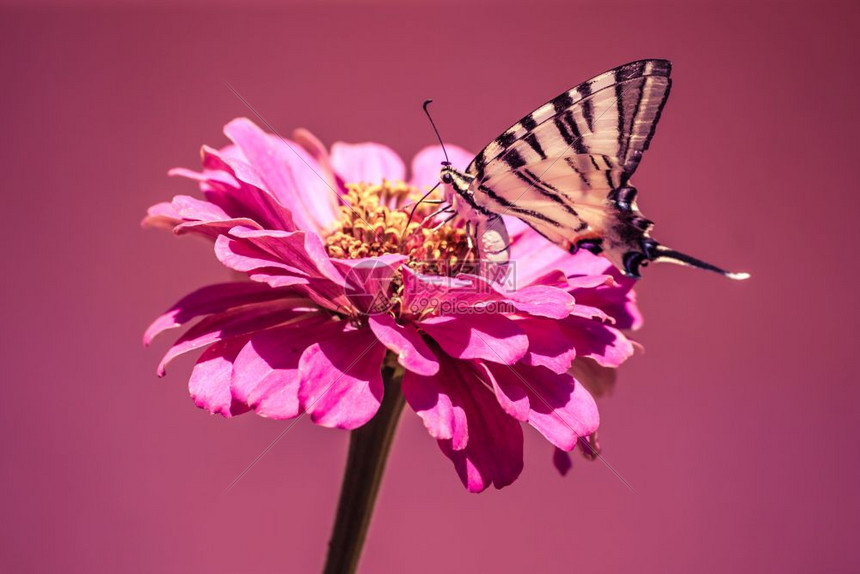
column 662, row 254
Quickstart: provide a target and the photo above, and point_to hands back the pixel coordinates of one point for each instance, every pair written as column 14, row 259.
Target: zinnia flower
column 342, row 284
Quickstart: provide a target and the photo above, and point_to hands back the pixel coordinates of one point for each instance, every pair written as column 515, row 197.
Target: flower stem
column 368, row 452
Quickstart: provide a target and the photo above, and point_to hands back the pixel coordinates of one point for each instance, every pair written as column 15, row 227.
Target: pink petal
column 251, row 199
column 412, row 352
column 436, row 400
column 490, row 337
column 231, row 323
column 209, row 384
column 288, row 172
column 246, row 256
column 589, row 312
column 341, row 380
column 193, row 209
column 427, row 163
column 218, row 176
column 212, row 229
column 543, row 301
column 311, row 144
column 162, row 216
column 212, row 299
column 494, row 453
column 553, row 278
column 590, row 281
column 561, row 461
column 366, row 162
column 512, row 397
column 617, row 299
column 266, row 371
column 548, row 345
column 559, row 407
column 606, row 345
column 304, row 251
column 534, row 255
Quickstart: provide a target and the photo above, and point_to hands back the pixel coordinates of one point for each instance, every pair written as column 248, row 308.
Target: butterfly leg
column 429, row 201
column 429, row 218
column 469, row 234
column 444, row 221
column 471, row 241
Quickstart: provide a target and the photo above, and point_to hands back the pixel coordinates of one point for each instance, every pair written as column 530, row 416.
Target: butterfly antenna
column 414, row 207
column 666, row 255
column 432, row 123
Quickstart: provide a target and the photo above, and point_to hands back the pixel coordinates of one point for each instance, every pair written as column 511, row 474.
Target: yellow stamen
column 375, row 223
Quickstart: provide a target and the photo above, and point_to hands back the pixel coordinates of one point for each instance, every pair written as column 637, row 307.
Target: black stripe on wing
column 560, row 111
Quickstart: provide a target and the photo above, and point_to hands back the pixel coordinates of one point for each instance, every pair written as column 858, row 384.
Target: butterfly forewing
column 557, row 168
column 613, row 114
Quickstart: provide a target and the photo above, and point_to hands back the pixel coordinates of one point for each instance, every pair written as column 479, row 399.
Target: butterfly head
column 446, row 176
column 460, row 181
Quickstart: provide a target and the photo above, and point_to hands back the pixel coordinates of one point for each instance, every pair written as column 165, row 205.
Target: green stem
column 368, row 452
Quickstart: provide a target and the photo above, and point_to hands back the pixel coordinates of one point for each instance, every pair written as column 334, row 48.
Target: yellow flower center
column 375, row 220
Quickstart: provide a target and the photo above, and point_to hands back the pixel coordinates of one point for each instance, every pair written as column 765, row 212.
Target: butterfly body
column 565, row 170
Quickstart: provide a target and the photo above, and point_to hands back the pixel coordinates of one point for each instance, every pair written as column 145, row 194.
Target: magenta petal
column 509, row 392
column 543, row 301
column 436, row 400
column 311, row 144
column 606, row 345
column 212, row 229
column 266, row 371
column 161, row 215
column 548, row 345
column 304, row 251
column 494, row 453
column 231, row 323
column 193, row 209
column 412, row 352
column 341, row 379
column 560, row 408
column 251, row 198
column 212, row 299
column 288, row 172
column 427, row 163
column 561, row 461
column 245, row 256
column 617, row 299
column 366, row 162
column 589, row 312
column 554, row 278
column 490, row 337
column 209, row 384
column 590, row 281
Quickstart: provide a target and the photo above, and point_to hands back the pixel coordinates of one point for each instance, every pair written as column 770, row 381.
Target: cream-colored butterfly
column 565, row 170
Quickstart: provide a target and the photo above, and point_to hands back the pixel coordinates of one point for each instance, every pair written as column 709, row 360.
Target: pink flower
column 341, row 283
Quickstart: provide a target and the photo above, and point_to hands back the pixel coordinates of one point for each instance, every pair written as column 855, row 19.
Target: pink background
column 737, row 428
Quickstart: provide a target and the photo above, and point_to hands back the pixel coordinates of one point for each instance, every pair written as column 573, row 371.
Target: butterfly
column 565, row 169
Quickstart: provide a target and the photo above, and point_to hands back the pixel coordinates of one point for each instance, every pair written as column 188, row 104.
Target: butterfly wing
column 565, row 168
